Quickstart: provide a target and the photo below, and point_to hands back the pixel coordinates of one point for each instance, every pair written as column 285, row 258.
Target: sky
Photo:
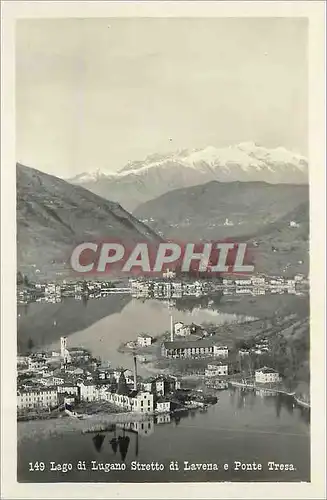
column 97, row 93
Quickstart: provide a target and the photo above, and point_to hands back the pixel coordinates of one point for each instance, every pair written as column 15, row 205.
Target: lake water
column 115, row 320
column 243, row 426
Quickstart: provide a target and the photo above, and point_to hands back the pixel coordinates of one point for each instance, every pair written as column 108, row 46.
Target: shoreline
column 38, row 429
column 275, row 391
column 302, row 403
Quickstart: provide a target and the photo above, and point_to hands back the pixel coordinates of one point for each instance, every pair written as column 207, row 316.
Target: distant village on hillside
column 167, row 287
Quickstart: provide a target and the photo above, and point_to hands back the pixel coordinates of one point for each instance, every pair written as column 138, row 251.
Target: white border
column 315, row 11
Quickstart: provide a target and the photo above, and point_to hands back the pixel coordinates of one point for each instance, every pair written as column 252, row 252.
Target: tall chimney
column 171, row 329
column 135, row 373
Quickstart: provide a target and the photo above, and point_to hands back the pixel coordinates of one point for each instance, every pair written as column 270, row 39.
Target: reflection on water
column 186, row 303
column 98, row 441
column 146, row 428
column 243, row 425
column 35, row 321
column 45, row 324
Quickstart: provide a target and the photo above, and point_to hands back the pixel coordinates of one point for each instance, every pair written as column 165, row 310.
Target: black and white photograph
column 163, row 249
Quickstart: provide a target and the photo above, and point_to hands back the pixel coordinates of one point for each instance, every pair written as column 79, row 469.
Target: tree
column 122, row 385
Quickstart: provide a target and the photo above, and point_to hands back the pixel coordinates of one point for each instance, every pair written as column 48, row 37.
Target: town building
column 69, row 400
column 68, row 389
column 221, row 351
column 243, row 282
column 219, row 370
column 79, row 354
column 55, row 354
column 154, row 385
column 139, row 287
column 74, row 370
column 177, row 383
column 64, row 353
column 258, row 281
column 293, row 223
column 142, row 403
column 193, row 349
column 57, row 380
column 46, row 380
column 168, row 274
column 266, row 375
column 182, row 330
column 277, row 281
column 104, row 374
column 52, row 289
column 88, row 391
column 40, row 398
column 129, row 375
column 161, row 385
column 144, row 340
column 36, row 363
column 163, row 406
column 138, row 402
column 22, row 360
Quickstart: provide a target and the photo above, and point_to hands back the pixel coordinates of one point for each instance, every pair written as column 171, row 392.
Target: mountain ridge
column 140, row 181
column 53, row 216
column 224, row 209
column 272, row 218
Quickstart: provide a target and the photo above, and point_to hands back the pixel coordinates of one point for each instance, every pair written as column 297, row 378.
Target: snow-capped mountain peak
column 140, row 181
column 91, row 176
column 244, row 155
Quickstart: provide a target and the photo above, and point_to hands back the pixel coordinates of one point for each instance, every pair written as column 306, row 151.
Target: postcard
column 163, row 250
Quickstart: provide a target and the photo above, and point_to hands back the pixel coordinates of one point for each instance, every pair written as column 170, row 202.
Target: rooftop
column 162, row 400
column 265, row 369
column 78, row 349
column 149, row 380
column 186, row 344
column 37, row 390
column 88, row 382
